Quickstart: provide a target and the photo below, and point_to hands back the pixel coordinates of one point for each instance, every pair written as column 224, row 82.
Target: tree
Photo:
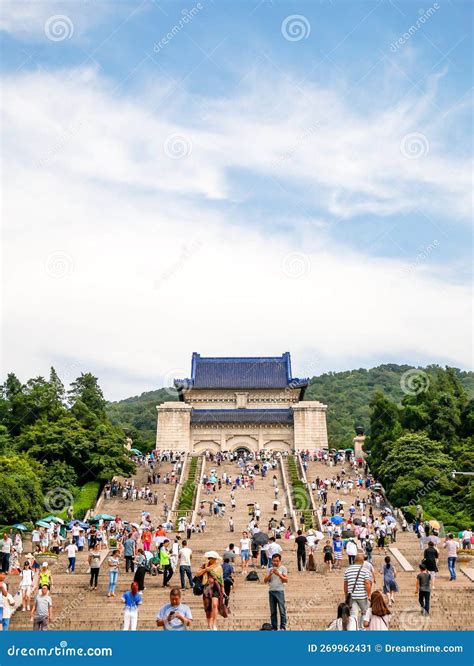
column 20, row 489
column 86, row 389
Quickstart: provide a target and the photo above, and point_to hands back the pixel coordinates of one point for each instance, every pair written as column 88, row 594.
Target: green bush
column 299, row 492
column 188, row 491
column 86, row 498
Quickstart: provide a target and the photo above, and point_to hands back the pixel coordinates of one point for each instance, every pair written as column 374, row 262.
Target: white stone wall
column 310, row 430
column 251, row 399
column 173, row 426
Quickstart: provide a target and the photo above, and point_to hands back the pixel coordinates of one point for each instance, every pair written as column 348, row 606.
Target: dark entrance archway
column 242, row 451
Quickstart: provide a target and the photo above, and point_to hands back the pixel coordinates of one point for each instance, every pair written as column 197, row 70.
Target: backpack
column 252, row 575
column 198, row 587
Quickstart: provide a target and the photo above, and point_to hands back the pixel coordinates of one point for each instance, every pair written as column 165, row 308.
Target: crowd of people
column 356, row 524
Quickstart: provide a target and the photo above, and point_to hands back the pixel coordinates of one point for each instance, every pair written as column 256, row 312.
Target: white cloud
column 122, row 260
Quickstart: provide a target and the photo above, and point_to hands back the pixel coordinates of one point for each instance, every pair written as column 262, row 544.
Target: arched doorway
column 241, row 451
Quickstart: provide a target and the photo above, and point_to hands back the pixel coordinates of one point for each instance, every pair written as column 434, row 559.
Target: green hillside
column 347, row 395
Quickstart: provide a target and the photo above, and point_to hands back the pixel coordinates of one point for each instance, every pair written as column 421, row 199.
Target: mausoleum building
column 241, row 403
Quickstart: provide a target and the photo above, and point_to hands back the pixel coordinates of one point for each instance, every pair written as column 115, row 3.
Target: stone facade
column 267, row 417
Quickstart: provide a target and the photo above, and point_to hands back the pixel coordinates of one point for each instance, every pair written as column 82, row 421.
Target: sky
column 236, row 178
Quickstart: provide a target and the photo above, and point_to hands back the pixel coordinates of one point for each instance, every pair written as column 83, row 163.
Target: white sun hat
column 212, row 554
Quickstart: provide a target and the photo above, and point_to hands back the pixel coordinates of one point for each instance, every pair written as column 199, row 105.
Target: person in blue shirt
column 337, row 545
column 174, row 616
column 132, row 599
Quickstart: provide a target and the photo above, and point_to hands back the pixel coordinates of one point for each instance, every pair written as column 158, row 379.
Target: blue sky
column 276, row 175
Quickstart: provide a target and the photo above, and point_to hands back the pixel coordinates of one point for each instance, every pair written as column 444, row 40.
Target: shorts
column 254, row 554
column 26, row 589
column 338, row 556
column 245, row 555
column 328, row 557
column 381, row 542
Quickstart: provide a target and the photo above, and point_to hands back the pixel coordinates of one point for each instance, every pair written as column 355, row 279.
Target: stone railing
column 197, row 496
column 288, row 494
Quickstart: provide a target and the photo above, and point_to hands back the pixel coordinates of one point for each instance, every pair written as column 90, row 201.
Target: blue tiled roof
column 283, row 416
column 261, row 372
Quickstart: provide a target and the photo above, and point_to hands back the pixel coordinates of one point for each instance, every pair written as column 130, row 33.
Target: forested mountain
column 347, row 395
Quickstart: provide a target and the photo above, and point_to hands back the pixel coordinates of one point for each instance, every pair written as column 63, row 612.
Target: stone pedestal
column 310, row 430
column 174, row 427
column 357, row 443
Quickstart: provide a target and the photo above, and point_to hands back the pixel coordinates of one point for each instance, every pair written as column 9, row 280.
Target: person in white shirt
column 244, row 552
column 185, row 556
column 26, row 585
column 344, row 621
column 272, row 548
column 452, row 546
column 71, row 550
column 6, row 603
column 6, row 547
column 466, row 539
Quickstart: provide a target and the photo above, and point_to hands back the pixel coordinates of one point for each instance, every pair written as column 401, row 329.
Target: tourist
column 344, row 621
column 165, row 563
column 140, row 571
column 430, row 556
column 113, row 563
column 351, row 550
column 277, row 577
column 26, row 585
column 6, row 547
column 466, row 537
column 94, row 563
column 174, row 616
column 71, row 550
column 423, row 588
column 337, row 545
column 452, row 547
column 185, row 556
column 357, row 586
column 42, row 611
column 213, row 585
column 377, row 617
column 301, row 542
column 228, row 577
column 7, row 603
column 129, row 551
column 45, row 576
column 231, row 524
column 132, row 599
column 390, row 585
column 244, row 552
column 328, row 556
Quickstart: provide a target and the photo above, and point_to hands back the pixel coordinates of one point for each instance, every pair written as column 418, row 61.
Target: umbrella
column 53, row 519
column 77, row 522
column 136, row 451
column 337, row 520
column 20, row 526
column 161, row 539
column 219, row 503
column 41, row 523
column 357, row 521
column 347, row 450
column 261, row 539
column 391, row 519
column 435, row 525
column 251, row 504
column 377, row 486
column 388, row 509
column 213, row 479
column 104, row 516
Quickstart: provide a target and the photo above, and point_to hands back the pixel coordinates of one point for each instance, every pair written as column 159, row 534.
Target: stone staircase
column 312, row 597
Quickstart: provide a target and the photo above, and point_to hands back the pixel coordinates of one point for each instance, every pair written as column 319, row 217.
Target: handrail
column 288, row 494
column 177, row 489
column 197, row 496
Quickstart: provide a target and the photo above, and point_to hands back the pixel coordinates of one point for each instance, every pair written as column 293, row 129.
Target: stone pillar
column 310, row 430
column 173, row 431
column 260, row 439
column 357, row 443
